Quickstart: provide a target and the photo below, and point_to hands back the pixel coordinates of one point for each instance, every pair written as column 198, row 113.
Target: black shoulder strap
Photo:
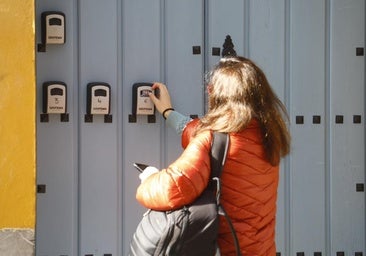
column 219, row 148
column 220, row 145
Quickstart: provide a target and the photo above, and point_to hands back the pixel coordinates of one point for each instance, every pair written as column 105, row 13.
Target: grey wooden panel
column 56, row 213
column 183, row 69
column 266, row 40
column 98, row 147
column 307, row 90
column 347, row 81
column 225, row 18
column 141, row 141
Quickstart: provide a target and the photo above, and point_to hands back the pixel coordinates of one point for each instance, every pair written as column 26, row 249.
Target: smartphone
column 140, row 167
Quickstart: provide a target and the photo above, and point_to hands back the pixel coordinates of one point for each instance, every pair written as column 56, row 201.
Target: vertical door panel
column 347, row 83
column 224, row 18
column 266, row 42
column 98, row 186
column 307, row 88
column 183, row 67
column 141, row 141
column 56, row 225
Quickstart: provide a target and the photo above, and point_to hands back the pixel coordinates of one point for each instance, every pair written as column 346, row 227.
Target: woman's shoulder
column 251, row 131
column 189, row 132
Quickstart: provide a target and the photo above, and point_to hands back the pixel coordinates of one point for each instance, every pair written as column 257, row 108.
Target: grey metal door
column 312, row 53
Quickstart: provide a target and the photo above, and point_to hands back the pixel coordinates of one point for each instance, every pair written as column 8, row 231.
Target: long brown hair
column 238, row 92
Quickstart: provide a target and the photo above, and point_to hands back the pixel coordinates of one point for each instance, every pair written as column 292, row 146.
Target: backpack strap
column 220, row 145
column 219, row 148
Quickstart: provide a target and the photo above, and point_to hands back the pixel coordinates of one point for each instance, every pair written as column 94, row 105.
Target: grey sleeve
column 177, row 121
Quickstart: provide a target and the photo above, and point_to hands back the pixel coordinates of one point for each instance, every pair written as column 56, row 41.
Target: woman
column 241, row 103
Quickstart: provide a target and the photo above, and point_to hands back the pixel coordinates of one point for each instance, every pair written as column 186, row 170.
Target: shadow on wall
column 15, row 242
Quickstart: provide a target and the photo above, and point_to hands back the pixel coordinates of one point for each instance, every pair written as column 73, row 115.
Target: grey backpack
column 191, row 230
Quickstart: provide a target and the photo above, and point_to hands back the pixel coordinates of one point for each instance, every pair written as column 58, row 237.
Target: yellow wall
column 17, row 114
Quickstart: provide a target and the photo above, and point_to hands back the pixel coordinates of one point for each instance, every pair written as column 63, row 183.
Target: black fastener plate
column 299, row 119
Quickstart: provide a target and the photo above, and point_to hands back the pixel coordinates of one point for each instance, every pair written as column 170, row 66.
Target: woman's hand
column 162, row 102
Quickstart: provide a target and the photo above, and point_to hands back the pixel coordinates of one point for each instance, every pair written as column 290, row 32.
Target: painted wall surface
column 17, row 113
